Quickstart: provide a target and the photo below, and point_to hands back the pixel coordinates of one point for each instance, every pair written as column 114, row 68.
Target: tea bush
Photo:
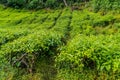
column 105, row 5
column 9, row 35
column 89, row 23
column 99, row 53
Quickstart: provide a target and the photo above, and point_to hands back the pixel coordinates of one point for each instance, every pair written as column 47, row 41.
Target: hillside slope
column 59, row 44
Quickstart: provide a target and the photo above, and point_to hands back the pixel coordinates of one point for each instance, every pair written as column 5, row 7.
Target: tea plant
column 10, row 35
column 97, row 53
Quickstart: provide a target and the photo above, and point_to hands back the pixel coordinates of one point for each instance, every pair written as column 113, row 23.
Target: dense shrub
column 8, row 35
column 37, row 4
column 105, row 4
column 99, row 53
column 51, row 3
column 34, row 4
column 16, row 3
column 3, row 1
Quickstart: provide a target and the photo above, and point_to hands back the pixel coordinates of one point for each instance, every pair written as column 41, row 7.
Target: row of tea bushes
column 43, row 42
column 38, row 43
column 22, row 18
column 90, row 23
column 63, row 22
column 95, row 53
column 51, row 20
column 10, row 35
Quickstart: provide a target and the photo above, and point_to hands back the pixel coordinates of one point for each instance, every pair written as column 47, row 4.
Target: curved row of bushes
column 90, row 23
column 93, row 49
column 24, row 52
column 8, row 35
column 95, row 53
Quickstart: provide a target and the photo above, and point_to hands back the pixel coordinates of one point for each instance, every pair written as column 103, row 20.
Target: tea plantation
column 59, row 44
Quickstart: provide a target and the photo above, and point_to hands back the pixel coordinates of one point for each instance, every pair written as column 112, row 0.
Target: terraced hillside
column 59, row 45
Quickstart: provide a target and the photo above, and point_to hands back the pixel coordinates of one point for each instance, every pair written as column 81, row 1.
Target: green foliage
column 89, row 23
column 34, row 4
column 42, row 40
column 6, row 71
column 16, row 3
column 105, row 4
column 84, row 44
column 93, row 47
column 99, row 53
column 8, row 35
column 99, row 49
column 38, row 4
column 96, row 5
column 51, row 3
column 3, row 1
